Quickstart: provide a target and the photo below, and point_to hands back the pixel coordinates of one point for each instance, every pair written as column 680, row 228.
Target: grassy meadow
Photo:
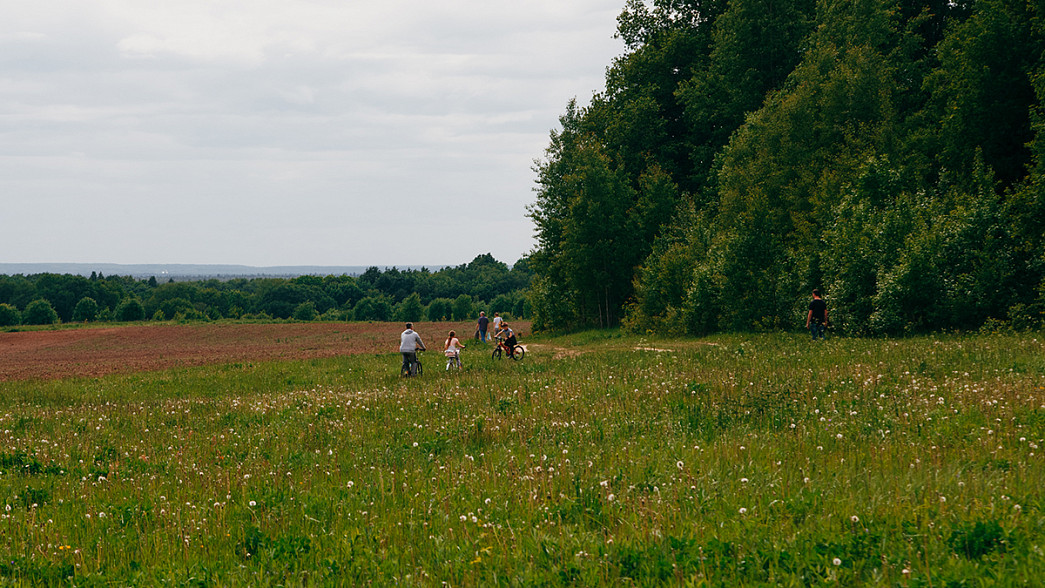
column 599, row 459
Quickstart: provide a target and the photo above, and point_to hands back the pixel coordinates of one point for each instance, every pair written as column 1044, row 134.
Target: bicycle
column 414, row 368
column 453, row 361
column 517, row 352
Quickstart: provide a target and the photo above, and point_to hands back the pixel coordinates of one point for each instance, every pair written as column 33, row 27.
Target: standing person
column 409, row 344
column 497, row 320
column 816, row 320
column 452, row 349
column 482, row 324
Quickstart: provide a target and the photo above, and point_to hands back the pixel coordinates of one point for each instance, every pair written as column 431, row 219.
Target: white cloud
column 239, row 121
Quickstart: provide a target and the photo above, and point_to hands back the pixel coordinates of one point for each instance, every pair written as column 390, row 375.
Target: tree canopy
column 745, row 152
column 451, row 292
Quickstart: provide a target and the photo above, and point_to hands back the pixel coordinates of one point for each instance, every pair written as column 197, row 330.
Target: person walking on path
column 482, row 324
column 497, row 321
column 816, row 320
column 409, row 344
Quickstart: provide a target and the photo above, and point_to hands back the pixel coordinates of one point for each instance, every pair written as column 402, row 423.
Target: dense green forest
column 744, row 152
column 453, row 293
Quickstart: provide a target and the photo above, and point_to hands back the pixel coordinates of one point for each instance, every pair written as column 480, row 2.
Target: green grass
column 599, row 459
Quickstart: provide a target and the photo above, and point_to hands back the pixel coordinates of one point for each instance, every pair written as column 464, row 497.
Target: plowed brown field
column 98, row 351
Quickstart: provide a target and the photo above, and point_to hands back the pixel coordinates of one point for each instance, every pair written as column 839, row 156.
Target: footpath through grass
column 597, row 460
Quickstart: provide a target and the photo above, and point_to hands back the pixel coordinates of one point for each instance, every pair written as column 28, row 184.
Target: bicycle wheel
column 496, row 353
column 518, row 353
column 417, row 368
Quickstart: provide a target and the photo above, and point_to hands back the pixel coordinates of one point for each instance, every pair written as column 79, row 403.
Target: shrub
column 440, row 309
column 86, row 310
column 521, row 308
column 502, row 304
column 333, row 315
column 175, row 306
column 39, row 312
column 553, row 305
column 462, row 307
column 282, row 300
column 189, row 314
column 410, row 309
column 9, row 316
column 306, row 311
column 373, row 308
column 700, row 311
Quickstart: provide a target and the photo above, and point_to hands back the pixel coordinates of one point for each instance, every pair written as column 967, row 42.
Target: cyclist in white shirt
column 409, row 343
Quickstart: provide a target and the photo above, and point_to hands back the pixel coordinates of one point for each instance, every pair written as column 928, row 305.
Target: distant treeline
column 453, row 293
column 889, row 152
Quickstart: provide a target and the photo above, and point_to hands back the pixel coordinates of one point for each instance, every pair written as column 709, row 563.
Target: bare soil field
column 90, row 352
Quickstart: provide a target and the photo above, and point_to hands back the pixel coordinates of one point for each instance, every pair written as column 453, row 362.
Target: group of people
column 410, row 342
column 501, row 330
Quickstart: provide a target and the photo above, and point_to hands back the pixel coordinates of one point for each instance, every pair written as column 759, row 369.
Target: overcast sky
column 284, row 132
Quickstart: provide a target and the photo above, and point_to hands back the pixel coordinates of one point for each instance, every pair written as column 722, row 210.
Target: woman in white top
column 452, row 350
